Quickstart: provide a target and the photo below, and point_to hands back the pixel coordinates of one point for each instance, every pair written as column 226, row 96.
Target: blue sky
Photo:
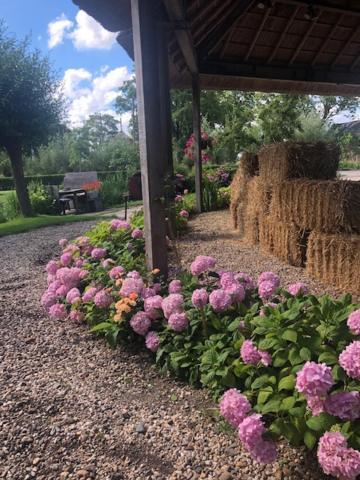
column 88, row 59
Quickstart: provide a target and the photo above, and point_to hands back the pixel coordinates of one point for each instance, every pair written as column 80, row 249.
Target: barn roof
column 267, row 45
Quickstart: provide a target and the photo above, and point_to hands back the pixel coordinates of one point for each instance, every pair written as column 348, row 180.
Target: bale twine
column 284, row 240
column 327, row 206
column 249, row 167
column 335, row 259
column 290, row 160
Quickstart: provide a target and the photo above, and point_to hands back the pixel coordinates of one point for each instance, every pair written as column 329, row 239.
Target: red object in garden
column 92, row 186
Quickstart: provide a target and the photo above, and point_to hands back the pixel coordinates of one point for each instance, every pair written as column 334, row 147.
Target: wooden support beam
column 352, row 37
column 215, row 37
column 257, row 34
column 152, row 152
column 354, row 63
column 304, row 39
column 282, row 36
column 197, row 142
column 329, row 37
column 182, row 32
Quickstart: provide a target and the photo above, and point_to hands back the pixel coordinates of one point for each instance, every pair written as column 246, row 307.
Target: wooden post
column 152, row 148
column 197, row 141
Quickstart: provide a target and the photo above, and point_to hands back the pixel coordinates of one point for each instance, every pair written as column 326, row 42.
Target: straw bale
column 251, row 230
column 327, row 206
column 284, row 240
column 290, row 160
column 335, row 259
column 248, row 167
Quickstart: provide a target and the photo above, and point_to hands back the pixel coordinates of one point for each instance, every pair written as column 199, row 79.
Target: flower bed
column 284, row 362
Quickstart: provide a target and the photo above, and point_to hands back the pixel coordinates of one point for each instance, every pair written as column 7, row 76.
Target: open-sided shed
column 288, row 46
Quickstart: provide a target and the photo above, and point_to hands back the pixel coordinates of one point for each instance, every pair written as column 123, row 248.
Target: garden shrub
column 285, row 363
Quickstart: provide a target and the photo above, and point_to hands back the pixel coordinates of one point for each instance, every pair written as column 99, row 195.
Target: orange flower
column 133, row 296
column 118, row 282
column 117, row 318
column 155, row 271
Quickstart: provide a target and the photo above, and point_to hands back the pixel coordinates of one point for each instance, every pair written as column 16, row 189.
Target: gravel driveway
column 70, row 407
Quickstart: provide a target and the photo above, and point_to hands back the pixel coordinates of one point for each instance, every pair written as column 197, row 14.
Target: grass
column 349, row 166
column 21, row 224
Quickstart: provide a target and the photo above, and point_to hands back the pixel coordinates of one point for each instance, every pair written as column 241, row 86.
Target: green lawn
column 21, row 224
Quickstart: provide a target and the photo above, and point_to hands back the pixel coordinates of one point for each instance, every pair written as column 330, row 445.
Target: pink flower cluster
column 268, row 283
column 178, row 321
column 314, row 381
column 131, row 285
column 349, row 360
column 175, row 286
column 199, row 298
column 252, row 356
column 336, row 458
column 246, row 281
column 353, row 322
column 201, row 264
column 298, row 288
column 232, row 287
column 152, row 306
column 152, row 341
column 184, row 214
column 137, row 233
column 116, row 272
column 173, row 303
column 234, row 407
column 140, row 323
column 119, row 225
column 98, row 253
column 103, row 299
column 220, row 300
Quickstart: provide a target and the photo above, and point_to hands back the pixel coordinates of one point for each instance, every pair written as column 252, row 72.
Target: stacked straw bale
column 289, row 160
column 248, row 168
column 326, row 206
column 335, row 259
column 296, row 211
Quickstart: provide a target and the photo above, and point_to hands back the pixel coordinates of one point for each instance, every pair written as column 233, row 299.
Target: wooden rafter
column 346, row 45
column 214, row 38
column 328, row 38
column 325, row 7
column 282, row 36
column 302, row 43
column 257, row 34
column 176, row 14
column 354, row 63
column 210, row 23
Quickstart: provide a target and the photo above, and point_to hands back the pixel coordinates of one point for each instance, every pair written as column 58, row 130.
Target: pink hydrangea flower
column 251, row 430
column 336, row 459
column 266, row 289
column 236, row 291
column 184, row 214
column 71, row 248
column 89, row 294
column 107, row 263
column 268, row 305
column 353, row 322
column 264, row 451
column 53, row 286
column 234, row 407
column 131, row 285
column 73, row 296
column 79, row 263
column 227, row 279
column 102, row 299
column 178, row 321
column 199, row 298
column 119, row 225
column 345, row 405
column 50, row 279
column 314, row 379
column 175, row 286
column 58, row 311
column 140, row 323
column 245, row 279
column 152, row 306
column 63, row 242
column 48, row 299
column 265, row 358
column 298, row 288
column 316, row 405
column 349, row 360
column 66, row 259
column 62, row 291
column 201, row 264
column 76, row 316
column 52, row 267
column 137, row 233
column 98, row 253
column 220, row 300
column 172, row 304
column 269, row 277
column 83, row 274
column 116, row 272
column 152, row 341
column 148, row 292
column 249, row 353
column 133, row 274
column 157, row 288
column 178, row 198
column 69, row 276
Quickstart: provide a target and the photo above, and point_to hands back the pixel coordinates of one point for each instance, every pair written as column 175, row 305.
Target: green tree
column 330, row 106
column 31, row 106
column 127, row 102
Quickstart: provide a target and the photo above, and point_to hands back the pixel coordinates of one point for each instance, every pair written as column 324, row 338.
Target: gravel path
column 71, row 408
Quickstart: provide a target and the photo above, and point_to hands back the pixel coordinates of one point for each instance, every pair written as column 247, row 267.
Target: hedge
column 7, row 183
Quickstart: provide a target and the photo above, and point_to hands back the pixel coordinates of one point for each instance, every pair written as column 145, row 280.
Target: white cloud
column 89, row 94
column 86, row 33
column 57, row 30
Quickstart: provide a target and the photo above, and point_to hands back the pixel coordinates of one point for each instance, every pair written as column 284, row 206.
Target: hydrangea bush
column 283, row 362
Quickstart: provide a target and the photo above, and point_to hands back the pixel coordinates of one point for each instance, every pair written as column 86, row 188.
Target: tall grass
column 113, row 189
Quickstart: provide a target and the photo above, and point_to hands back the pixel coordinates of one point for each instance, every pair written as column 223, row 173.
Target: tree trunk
column 15, row 155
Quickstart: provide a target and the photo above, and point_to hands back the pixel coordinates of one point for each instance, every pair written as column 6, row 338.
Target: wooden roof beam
column 347, row 44
column 302, row 43
column 182, row 33
column 282, row 36
column 324, row 7
column 329, row 37
column 217, row 35
column 257, row 34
